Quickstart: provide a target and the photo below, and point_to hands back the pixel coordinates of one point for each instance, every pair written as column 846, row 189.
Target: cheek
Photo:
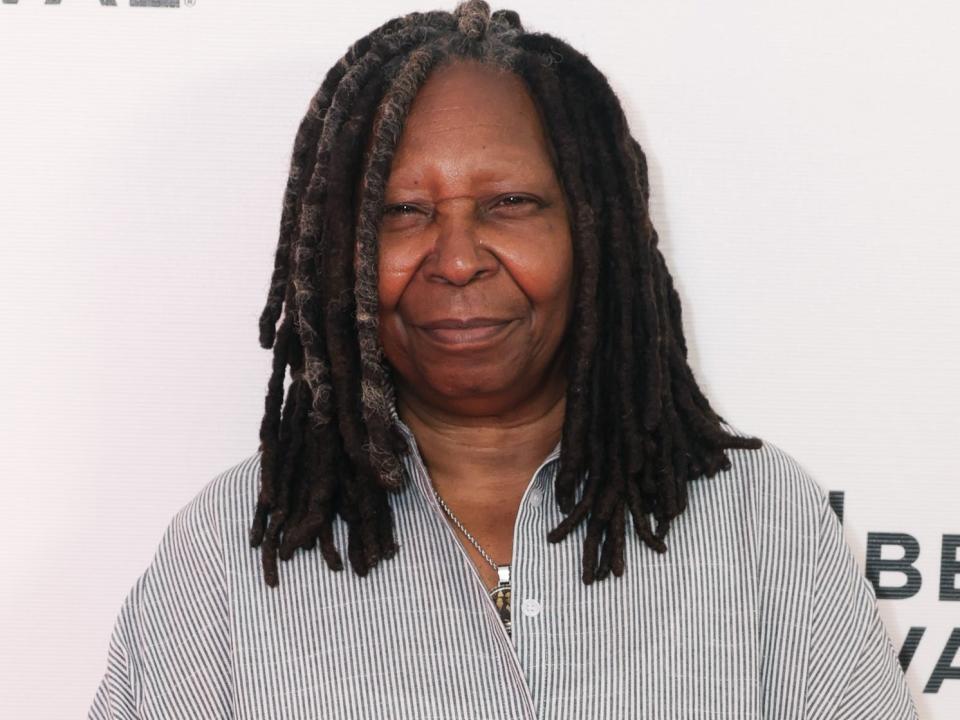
column 544, row 270
column 394, row 270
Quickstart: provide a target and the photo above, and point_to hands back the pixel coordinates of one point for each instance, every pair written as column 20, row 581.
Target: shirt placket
column 533, row 494
column 529, row 542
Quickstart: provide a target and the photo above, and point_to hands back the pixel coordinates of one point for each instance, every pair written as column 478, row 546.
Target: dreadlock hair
column 636, row 426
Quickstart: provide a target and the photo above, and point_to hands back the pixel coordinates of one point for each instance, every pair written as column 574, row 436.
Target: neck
column 480, row 462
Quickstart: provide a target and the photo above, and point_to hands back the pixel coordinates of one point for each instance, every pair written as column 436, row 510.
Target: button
column 535, row 498
column 530, row 607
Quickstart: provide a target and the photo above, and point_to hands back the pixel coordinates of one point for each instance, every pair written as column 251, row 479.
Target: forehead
column 467, row 105
column 469, row 86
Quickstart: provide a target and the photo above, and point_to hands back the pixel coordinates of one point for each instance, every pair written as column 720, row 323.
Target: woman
column 488, row 375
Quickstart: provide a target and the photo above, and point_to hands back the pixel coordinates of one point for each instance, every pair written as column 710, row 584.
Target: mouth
column 463, row 333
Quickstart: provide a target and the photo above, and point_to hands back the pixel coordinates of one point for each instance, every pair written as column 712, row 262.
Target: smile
column 465, row 336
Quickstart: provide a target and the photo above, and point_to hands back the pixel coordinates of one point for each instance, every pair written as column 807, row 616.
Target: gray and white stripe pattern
column 757, row 610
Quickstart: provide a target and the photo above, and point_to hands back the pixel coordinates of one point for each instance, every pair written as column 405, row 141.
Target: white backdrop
column 804, row 163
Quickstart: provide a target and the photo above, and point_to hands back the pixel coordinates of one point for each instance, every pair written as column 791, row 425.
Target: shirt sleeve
column 853, row 667
column 116, row 695
column 169, row 654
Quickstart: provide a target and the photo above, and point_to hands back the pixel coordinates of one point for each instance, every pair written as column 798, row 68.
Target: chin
column 465, row 388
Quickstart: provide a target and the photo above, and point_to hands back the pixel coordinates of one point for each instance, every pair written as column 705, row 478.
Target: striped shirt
column 757, row 610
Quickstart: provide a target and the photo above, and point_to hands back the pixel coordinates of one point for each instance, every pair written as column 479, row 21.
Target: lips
column 464, row 331
column 453, row 323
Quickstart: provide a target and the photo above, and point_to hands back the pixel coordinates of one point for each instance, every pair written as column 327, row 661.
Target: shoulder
column 171, row 640
column 184, row 587
column 784, row 514
column 774, row 508
column 779, row 490
column 218, row 500
column 191, row 553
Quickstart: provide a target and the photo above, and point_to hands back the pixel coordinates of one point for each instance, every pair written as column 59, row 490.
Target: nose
column 459, row 255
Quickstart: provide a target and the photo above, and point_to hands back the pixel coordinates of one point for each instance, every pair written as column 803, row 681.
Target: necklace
column 501, row 593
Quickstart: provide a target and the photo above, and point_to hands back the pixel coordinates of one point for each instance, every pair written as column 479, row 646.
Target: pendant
column 501, row 595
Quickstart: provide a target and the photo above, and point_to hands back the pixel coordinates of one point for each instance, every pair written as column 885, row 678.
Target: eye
column 515, row 206
column 515, row 200
column 400, row 209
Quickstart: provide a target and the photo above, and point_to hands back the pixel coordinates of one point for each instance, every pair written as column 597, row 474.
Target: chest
column 674, row 637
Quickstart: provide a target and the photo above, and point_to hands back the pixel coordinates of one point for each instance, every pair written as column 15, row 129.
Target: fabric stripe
column 757, row 610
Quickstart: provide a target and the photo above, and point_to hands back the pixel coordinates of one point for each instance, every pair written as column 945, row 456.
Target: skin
column 476, row 223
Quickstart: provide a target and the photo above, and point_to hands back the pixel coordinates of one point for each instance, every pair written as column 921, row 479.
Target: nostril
column 459, row 260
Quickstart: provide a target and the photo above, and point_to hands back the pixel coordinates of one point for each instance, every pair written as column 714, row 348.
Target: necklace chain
column 500, row 595
column 470, row 537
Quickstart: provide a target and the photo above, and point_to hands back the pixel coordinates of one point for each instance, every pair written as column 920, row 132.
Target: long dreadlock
column 636, row 426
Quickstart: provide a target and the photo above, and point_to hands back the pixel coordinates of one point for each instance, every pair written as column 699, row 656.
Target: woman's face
column 475, row 232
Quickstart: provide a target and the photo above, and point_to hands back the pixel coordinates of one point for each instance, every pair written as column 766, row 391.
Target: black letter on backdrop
column 911, row 550
column 910, row 646
column 944, row 669
column 836, row 502
column 949, row 567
